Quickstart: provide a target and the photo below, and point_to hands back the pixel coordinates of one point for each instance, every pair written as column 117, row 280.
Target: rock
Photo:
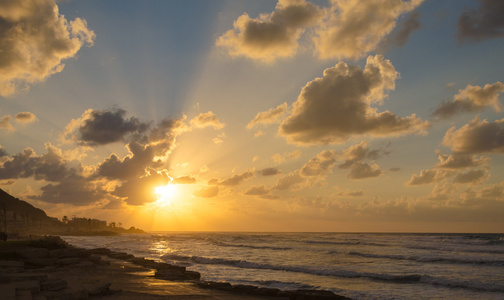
column 159, row 266
column 315, row 295
column 40, row 262
column 30, row 285
column 11, row 264
column 22, row 277
column 54, row 284
column 94, row 258
column 245, row 288
column 33, row 253
column 102, row 289
column 223, row 286
column 73, row 252
column 267, row 291
column 170, row 274
column 121, row 255
column 67, row 294
column 99, row 251
column 68, row 261
column 23, row 295
column 193, row 275
column 8, row 291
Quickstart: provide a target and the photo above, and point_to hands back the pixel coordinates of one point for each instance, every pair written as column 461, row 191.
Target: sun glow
column 166, row 193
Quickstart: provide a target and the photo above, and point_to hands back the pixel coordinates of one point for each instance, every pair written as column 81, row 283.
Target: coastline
column 50, row 268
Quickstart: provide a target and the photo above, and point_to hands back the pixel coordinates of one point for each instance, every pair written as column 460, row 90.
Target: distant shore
column 50, row 268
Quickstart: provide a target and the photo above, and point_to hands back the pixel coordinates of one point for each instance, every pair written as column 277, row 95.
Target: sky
column 230, row 115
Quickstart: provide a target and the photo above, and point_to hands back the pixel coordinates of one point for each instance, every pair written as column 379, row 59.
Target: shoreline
column 50, row 268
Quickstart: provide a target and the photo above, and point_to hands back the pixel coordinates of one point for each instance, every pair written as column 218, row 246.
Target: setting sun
column 166, row 193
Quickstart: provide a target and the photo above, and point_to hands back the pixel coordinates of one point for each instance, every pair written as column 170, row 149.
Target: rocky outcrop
column 20, row 277
column 271, row 292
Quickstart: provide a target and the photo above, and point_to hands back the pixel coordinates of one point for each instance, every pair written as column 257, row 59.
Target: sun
column 165, row 193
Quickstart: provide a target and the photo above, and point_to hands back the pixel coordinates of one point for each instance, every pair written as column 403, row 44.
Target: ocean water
column 356, row 265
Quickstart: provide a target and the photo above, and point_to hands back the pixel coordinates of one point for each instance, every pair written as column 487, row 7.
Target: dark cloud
column 476, row 137
column 459, row 161
column 25, row 117
column 34, row 39
column 362, row 170
column 354, row 160
column 269, row 172
column 74, row 190
column 271, row 35
column 472, row 177
column 107, row 126
column 486, row 22
column 50, row 166
column 472, row 99
column 3, row 152
column 404, row 29
column 133, row 165
column 335, row 107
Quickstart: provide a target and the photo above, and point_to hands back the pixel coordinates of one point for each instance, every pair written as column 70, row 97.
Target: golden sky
column 295, row 115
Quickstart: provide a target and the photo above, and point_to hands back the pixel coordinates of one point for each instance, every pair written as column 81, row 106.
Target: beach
column 49, row 268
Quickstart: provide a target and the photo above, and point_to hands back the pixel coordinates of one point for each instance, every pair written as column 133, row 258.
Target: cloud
column 72, row 190
column 50, row 166
column 425, row 177
column 471, row 177
column 357, row 153
column 404, row 30
column 476, row 137
column 25, row 117
column 350, row 194
column 280, row 158
column 3, row 152
column 34, row 39
column 354, row 28
column 257, row 191
column 138, row 191
column 97, row 127
column 5, row 123
column 270, row 116
column 236, row 179
column 269, row 172
column 362, row 170
column 487, row 22
column 184, row 180
column 292, row 181
column 208, row 119
column 207, row 192
column 270, row 36
column 321, row 164
column 472, row 99
column 459, row 161
column 335, row 107
column 132, row 165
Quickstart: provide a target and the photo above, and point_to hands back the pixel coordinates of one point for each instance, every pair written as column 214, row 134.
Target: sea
column 356, row 265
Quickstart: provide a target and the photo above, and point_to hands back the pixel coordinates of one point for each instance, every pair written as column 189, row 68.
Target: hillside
column 22, row 208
